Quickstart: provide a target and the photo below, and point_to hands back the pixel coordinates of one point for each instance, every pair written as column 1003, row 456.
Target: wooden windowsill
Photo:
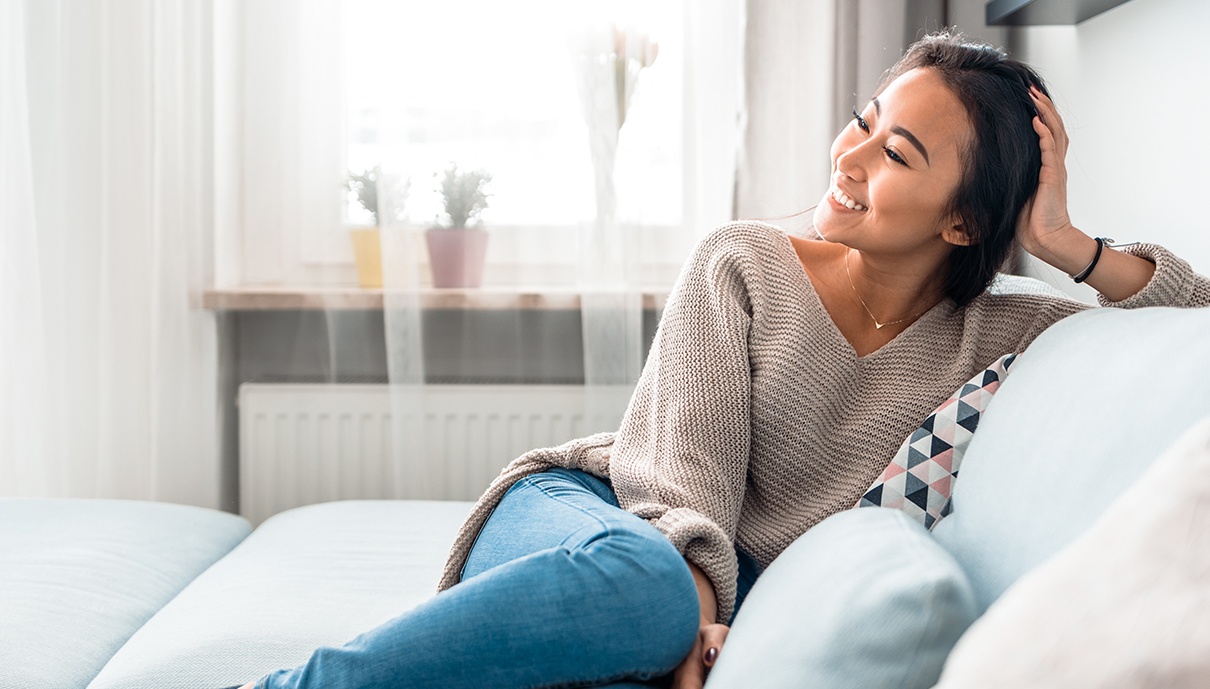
column 320, row 298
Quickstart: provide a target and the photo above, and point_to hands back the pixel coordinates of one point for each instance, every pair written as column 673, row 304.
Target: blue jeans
column 561, row 589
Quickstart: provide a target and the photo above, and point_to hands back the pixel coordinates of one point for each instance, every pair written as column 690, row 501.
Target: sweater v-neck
column 813, row 301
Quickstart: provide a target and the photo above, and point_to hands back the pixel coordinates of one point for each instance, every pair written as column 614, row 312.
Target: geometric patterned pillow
column 920, row 479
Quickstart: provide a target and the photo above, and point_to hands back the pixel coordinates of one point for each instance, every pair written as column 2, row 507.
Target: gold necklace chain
column 877, row 325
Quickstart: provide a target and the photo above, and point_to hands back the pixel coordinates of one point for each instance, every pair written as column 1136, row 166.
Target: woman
column 784, row 375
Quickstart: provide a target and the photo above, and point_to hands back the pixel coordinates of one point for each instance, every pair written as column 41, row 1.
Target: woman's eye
column 865, row 127
column 861, row 121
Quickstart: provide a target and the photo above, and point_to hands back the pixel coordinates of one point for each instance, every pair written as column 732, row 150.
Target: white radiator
column 302, row 444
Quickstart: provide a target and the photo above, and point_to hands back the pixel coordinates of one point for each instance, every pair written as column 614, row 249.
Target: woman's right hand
column 692, row 672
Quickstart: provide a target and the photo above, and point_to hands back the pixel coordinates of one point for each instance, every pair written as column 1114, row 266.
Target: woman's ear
column 956, row 233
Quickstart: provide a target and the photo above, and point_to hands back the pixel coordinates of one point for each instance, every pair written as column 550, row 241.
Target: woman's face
column 895, row 167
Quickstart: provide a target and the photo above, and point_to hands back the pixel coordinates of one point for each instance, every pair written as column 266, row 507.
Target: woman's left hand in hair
column 1045, row 230
column 1044, row 227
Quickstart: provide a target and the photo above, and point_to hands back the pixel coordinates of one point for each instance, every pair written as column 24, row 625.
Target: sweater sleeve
column 1173, row 284
column 681, row 454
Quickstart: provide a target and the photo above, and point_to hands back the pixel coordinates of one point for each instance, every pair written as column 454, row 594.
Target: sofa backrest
column 1087, row 407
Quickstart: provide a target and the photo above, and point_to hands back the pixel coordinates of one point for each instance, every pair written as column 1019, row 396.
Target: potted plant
column 367, row 242
column 458, row 245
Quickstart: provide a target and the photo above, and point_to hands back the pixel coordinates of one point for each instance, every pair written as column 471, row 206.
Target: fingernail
column 711, row 655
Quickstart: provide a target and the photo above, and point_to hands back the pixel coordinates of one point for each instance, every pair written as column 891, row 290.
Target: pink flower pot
column 456, row 256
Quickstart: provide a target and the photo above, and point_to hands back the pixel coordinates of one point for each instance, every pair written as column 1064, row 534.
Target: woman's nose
column 849, row 165
column 853, row 160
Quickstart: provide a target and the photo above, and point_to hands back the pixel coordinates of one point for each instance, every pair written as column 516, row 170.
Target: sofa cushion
column 864, row 599
column 308, row 577
column 1126, row 605
column 1089, row 405
column 78, row 577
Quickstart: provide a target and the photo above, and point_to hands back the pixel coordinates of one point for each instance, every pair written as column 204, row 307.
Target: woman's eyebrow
column 912, row 138
column 904, row 133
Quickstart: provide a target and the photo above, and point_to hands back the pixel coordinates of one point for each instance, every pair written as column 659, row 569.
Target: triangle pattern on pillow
column 920, row 478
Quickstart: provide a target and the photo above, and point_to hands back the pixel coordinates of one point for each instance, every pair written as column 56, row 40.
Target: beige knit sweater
column 754, row 419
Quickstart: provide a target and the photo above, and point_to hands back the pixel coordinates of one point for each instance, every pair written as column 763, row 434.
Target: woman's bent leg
column 562, row 589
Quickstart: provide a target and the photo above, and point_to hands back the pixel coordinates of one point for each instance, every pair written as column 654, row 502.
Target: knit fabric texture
column 754, row 419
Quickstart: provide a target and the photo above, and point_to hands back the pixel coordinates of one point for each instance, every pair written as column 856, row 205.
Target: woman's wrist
column 1069, row 250
column 705, row 594
column 1115, row 275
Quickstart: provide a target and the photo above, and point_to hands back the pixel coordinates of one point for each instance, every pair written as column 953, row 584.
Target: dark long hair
column 1001, row 163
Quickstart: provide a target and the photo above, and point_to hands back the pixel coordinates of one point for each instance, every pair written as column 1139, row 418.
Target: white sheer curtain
column 611, row 247
column 24, row 468
column 288, row 88
column 107, row 361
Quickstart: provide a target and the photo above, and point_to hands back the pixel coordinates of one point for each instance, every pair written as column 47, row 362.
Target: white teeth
column 845, row 201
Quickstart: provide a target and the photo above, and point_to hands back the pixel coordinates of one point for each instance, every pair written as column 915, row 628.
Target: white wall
column 1133, row 87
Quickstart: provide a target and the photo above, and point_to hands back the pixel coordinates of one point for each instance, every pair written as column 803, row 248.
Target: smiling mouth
column 845, row 201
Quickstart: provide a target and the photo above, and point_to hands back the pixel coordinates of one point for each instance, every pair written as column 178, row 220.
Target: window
column 414, row 85
column 490, row 84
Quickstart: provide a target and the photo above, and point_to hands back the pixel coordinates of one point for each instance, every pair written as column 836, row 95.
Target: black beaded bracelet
column 1096, row 257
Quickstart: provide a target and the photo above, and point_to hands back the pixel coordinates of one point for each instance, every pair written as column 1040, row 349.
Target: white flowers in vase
column 633, row 51
column 608, row 61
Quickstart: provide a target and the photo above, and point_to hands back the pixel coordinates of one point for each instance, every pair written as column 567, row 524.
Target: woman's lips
column 836, row 204
column 845, row 200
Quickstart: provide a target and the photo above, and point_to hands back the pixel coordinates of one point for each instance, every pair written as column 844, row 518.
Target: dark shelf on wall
column 1045, row 12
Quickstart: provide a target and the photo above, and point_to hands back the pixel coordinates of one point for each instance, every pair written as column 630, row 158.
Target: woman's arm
column 1118, row 276
column 680, row 457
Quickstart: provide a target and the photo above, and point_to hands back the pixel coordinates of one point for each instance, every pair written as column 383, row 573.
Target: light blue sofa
column 870, row 599
column 111, row 593
column 115, row 594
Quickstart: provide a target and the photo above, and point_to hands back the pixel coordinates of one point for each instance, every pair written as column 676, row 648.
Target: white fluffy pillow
column 1125, row 605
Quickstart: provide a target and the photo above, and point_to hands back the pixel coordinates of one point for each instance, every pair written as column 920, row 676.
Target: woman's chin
column 824, row 225
column 819, row 221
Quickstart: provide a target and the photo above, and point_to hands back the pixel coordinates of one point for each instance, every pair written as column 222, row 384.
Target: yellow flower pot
column 367, row 255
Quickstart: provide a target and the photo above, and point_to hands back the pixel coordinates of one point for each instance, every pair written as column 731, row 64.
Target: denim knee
column 652, row 587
